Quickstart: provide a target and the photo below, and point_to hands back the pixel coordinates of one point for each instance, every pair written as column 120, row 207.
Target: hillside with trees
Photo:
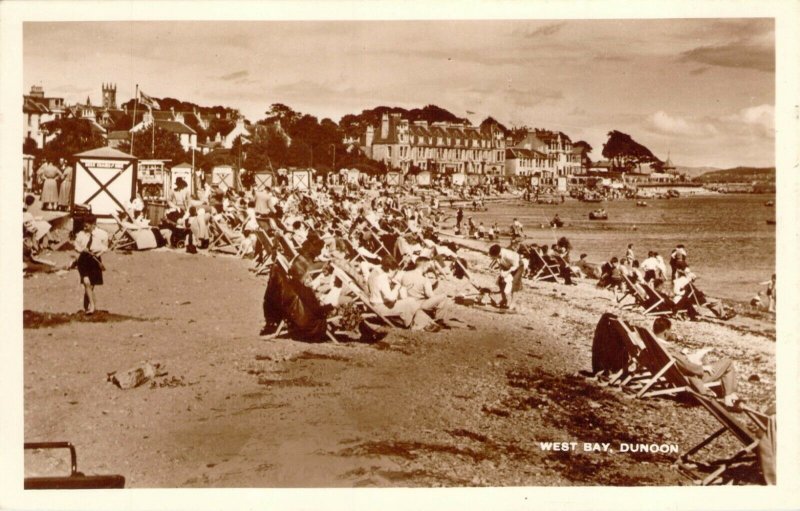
column 354, row 124
column 739, row 175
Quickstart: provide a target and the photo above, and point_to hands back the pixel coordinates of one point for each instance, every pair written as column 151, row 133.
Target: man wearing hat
column 90, row 243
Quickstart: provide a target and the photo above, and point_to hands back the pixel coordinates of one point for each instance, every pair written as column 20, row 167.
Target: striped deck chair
column 286, row 245
column 223, row 238
column 664, row 376
column 123, row 238
column 691, row 468
column 546, row 270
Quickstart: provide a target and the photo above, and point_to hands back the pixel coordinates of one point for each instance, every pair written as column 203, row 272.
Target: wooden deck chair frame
column 264, row 258
column 546, row 272
column 122, row 238
column 634, row 346
column 666, row 378
column 687, row 466
column 282, row 328
column 360, row 294
column 222, row 240
column 658, row 300
column 286, row 246
column 75, row 480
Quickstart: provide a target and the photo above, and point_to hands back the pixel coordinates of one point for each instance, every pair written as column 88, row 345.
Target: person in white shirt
column 385, row 298
column 420, row 288
column 90, row 244
column 511, row 268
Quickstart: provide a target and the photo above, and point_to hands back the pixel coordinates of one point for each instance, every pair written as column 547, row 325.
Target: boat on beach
column 598, row 214
column 641, row 204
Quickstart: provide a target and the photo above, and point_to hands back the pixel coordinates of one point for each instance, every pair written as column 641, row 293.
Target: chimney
column 385, row 126
column 370, row 136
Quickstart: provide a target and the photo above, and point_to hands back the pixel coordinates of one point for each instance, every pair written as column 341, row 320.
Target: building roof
column 106, row 152
column 183, row 165
column 119, row 135
column 175, row 127
column 516, row 153
column 32, row 106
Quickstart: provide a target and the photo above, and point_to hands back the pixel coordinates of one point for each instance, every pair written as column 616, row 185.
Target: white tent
column 105, row 179
column 394, row 178
column 300, row 179
column 424, row 178
column 263, row 179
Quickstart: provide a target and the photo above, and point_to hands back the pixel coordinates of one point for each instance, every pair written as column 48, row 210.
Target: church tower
column 110, row 96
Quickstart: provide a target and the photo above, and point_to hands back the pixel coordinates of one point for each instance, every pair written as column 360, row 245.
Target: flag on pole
column 148, row 101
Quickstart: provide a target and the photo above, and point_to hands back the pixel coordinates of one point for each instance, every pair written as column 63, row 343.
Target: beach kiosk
column 153, row 179
column 300, row 179
column 474, row 179
column 223, row 177
column 104, row 179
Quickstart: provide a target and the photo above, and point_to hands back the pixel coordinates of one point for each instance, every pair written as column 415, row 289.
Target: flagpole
column 133, row 123
column 153, row 142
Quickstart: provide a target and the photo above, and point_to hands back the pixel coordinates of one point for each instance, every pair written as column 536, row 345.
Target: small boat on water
column 598, row 214
column 641, row 204
column 769, row 203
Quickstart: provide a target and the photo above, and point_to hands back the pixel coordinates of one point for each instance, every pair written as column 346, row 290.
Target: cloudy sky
column 703, row 90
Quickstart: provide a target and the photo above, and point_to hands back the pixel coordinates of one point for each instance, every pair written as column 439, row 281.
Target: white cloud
column 761, row 117
column 675, row 125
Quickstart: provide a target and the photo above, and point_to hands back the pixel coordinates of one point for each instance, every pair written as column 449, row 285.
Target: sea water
column 730, row 246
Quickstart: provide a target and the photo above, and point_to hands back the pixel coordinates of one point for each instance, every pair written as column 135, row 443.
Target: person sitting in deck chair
column 385, row 298
column 511, row 269
column 698, row 373
column 694, row 301
column 418, row 287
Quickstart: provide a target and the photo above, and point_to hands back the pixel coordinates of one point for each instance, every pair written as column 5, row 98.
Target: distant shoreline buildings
column 547, row 157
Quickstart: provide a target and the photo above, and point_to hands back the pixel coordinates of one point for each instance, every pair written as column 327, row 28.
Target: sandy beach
column 454, row 408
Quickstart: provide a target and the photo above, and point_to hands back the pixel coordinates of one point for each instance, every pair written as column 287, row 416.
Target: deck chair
column 123, row 238
column 286, row 246
column 283, row 328
column 360, row 294
column 688, row 467
column 547, row 270
column 656, row 304
column 634, row 346
column 665, row 377
column 265, row 252
column 223, row 238
column 75, row 480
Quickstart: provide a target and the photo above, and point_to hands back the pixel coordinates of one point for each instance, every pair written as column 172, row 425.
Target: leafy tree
column 284, row 114
column 491, row 121
column 162, row 145
column 625, row 153
column 29, row 146
column 71, row 136
column 585, row 150
column 299, row 154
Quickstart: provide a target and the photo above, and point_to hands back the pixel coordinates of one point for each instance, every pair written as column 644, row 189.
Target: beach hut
column 424, row 178
column 474, row 179
column 223, row 177
column 458, row 179
column 300, row 179
column 394, row 178
column 264, row 179
column 184, row 170
column 353, row 175
column 104, row 179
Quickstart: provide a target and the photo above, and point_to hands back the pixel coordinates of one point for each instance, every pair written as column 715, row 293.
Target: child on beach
column 511, row 269
column 90, row 244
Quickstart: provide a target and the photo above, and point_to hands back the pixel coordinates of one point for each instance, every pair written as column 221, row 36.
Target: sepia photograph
column 399, row 253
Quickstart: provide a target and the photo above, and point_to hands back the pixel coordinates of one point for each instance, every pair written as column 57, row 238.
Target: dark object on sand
column 598, row 214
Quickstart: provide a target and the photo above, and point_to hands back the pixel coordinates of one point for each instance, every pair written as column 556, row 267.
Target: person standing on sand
column 770, row 293
column 629, row 255
column 90, row 244
column 511, row 269
column 459, row 219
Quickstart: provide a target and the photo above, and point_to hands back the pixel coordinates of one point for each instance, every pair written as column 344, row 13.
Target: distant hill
column 739, row 175
column 693, row 172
